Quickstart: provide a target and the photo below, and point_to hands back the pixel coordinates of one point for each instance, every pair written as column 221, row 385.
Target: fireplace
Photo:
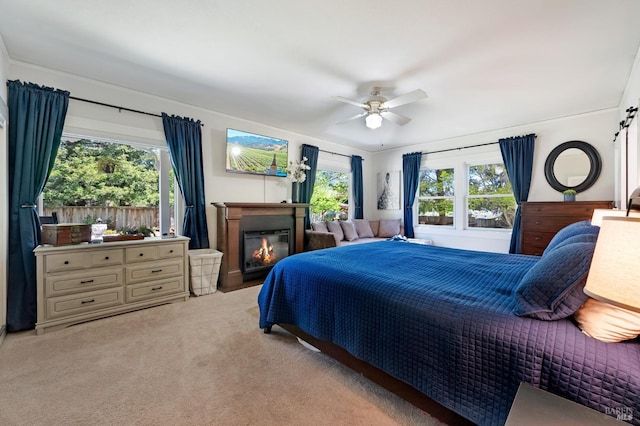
column 241, row 228
column 263, row 249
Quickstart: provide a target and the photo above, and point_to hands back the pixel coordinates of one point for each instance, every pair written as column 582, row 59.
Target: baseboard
column 3, row 332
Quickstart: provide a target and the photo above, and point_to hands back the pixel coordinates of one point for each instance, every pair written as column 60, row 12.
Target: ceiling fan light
column 373, row 120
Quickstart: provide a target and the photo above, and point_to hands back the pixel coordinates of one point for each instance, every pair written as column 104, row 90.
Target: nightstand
column 534, row 407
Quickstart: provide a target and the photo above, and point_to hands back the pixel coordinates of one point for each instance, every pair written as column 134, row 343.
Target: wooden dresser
column 541, row 220
column 82, row 282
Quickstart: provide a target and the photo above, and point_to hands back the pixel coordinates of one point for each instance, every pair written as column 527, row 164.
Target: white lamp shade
column 614, row 276
column 599, row 214
column 373, row 120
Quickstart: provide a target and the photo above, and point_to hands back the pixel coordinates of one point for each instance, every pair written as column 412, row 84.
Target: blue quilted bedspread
column 441, row 320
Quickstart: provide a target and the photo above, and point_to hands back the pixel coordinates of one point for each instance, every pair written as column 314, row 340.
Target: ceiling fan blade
column 414, row 96
column 400, row 120
column 349, row 101
column 362, row 114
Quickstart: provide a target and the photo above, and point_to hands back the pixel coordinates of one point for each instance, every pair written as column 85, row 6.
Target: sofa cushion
column 389, row 228
column 349, row 230
column 363, row 228
column 375, row 227
column 319, row 226
column 335, row 228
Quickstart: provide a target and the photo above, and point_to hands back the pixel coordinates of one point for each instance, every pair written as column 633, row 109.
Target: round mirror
column 572, row 165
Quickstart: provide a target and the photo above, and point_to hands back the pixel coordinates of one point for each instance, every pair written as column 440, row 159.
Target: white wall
column 4, row 116
column 93, row 120
column 595, row 128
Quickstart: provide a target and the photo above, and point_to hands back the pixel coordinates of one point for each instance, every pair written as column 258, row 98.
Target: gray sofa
column 357, row 231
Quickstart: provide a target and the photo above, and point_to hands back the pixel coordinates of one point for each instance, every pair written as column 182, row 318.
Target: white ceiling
column 485, row 64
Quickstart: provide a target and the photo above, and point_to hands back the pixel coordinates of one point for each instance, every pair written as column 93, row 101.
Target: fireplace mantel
column 229, row 234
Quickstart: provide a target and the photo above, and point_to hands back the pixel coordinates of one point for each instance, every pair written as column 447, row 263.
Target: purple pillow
column 335, row 228
column 389, row 228
column 363, row 228
column 552, row 288
column 349, row 230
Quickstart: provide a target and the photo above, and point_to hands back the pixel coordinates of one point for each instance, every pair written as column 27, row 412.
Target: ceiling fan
column 377, row 107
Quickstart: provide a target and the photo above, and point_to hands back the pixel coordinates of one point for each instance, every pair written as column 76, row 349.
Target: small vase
column 569, row 197
column 295, row 192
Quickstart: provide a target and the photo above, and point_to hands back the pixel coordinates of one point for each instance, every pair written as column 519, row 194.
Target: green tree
column 330, row 193
column 90, row 173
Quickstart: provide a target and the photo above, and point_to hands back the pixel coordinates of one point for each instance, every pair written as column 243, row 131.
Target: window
column 436, row 197
column 117, row 184
column 490, row 199
column 330, row 199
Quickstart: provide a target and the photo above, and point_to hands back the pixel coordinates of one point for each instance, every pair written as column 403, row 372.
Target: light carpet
column 200, row 362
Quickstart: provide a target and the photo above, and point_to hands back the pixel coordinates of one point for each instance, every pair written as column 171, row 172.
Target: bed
column 443, row 321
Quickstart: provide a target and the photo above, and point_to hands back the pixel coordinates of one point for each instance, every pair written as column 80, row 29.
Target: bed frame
column 376, row 375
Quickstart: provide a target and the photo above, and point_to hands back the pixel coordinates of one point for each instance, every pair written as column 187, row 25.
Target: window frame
column 438, row 197
column 468, row 196
column 164, row 165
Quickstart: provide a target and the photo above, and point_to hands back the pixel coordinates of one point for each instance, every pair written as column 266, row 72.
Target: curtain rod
column 465, row 147
column 336, row 153
column 119, row 108
column 462, row 147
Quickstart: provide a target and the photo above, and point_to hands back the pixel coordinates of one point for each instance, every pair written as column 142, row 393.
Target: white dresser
column 82, row 282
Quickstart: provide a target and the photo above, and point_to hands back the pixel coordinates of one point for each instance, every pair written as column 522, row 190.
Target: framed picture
column 389, row 190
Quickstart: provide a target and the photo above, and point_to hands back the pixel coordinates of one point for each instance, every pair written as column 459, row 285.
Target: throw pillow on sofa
column 319, row 226
column 336, row 229
column 389, row 228
column 349, row 230
column 363, row 228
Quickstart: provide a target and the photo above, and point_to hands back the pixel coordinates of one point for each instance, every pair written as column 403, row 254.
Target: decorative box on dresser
column 82, row 282
column 541, row 220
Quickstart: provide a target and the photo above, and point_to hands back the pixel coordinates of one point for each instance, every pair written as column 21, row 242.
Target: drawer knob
column 106, row 258
column 88, row 301
column 86, row 282
column 538, row 238
column 156, row 271
column 538, row 222
column 66, row 262
column 170, row 251
column 141, row 254
column 156, row 288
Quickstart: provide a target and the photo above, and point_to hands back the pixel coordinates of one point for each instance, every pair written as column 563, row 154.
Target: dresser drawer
column 141, row 254
column 82, row 303
column 535, row 242
column 67, row 261
column 154, row 271
column 142, row 291
column 83, row 281
column 107, row 257
column 170, row 250
column 546, row 224
column 576, row 209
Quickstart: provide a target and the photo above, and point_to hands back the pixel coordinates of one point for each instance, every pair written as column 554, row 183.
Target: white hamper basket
column 204, row 267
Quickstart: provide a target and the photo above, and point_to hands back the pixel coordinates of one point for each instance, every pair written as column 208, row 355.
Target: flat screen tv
column 256, row 154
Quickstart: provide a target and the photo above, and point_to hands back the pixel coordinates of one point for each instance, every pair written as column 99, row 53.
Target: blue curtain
column 517, row 154
column 410, row 180
column 184, row 139
column 358, row 192
column 306, row 190
column 36, row 119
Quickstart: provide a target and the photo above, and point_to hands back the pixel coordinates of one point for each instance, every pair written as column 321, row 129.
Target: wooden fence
column 114, row 217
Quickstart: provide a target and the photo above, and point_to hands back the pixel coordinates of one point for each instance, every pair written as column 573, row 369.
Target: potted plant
column 569, row 195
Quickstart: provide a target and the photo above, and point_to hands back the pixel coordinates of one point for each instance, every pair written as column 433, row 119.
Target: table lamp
column 614, row 276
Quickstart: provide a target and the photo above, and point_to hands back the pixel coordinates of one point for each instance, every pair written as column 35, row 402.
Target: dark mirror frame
column 594, row 171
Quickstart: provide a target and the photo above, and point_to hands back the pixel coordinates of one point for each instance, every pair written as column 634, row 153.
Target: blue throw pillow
column 552, row 288
column 577, row 228
column 581, row 238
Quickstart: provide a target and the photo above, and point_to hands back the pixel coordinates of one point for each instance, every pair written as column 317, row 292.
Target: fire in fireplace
column 263, row 249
